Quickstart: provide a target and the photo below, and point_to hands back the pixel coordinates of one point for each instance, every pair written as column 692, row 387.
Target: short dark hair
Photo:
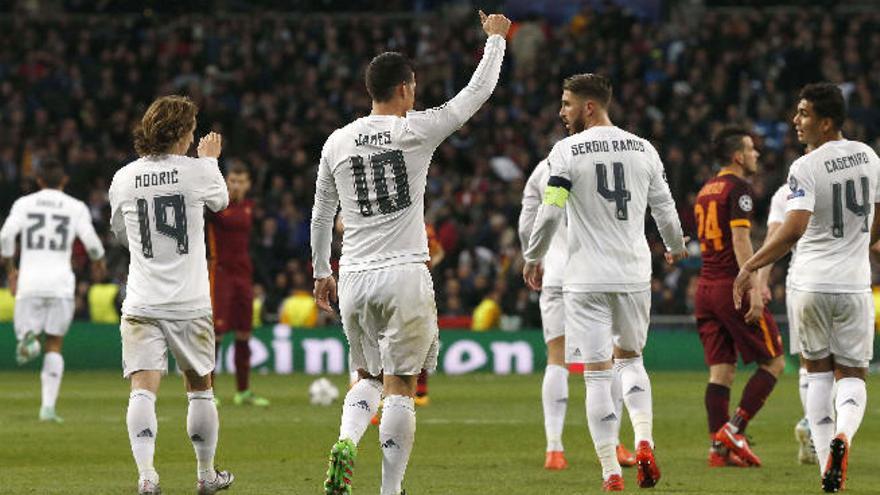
column 385, row 72
column 51, row 173
column 728, row 141
column 827, row 100
column 592, row 86
column 238, row 168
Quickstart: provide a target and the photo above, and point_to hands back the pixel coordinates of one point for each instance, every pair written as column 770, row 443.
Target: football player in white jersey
column 48, row 222
column 376, row 167
column 158, row 204
column 833, row 194
column 612, row 177
column 806, row 450
column 554, row 389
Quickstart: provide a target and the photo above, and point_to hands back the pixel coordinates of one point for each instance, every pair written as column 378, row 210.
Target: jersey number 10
column 862, row 209
column 378, row 162
column 176, row 231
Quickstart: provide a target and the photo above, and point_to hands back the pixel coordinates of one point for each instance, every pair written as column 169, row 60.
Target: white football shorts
column 552, row 313
column 595, row 322
column 794, row 339
column 841, row 325
column 146, row 342
column 50, row 315
column 390, row 319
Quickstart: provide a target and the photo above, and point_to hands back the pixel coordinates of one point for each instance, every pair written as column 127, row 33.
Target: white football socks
column 636, row 390
column 820, row 413
column 852, row 396
column 396, row 435
column 202, row 425
column 617, row 399
column 50, row 378
column 360, row 404
column 602, row 419
column 803, row 386
column 142, row 431
column 554, row 396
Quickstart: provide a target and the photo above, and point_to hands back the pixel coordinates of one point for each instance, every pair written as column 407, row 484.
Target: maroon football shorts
column 724, row 331
column 232, row 296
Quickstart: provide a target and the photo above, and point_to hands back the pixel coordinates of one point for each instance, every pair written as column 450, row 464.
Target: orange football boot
column 614, row 483
column 649, row 471
column 834, row 477
column 717, row 459
column 555, row 460
column 625, row 457
column 738, row 444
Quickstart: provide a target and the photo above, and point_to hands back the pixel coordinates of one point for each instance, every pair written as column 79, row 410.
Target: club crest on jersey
column 745, row 203
column 795, row 191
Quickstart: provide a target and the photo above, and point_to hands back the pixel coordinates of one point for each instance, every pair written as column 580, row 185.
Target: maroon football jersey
column 229, row 233
column 724, row 202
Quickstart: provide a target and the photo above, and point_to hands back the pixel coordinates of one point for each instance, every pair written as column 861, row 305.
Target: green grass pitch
column 481, row 434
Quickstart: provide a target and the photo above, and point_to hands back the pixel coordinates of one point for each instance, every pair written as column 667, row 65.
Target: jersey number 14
column 862, row 209
column 378, row 161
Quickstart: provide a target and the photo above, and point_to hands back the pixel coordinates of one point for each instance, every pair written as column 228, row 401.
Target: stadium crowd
column 276, row 86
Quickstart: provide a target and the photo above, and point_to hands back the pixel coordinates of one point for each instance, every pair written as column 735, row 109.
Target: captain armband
column 557, row 191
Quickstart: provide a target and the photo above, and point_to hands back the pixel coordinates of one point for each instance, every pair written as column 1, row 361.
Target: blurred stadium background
column 276, row 78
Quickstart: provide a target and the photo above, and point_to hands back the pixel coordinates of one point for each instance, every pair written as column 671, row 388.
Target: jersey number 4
column 35, row 239
column 163, row 205
column 378, row 162
column 620, row 196
column 862, row 209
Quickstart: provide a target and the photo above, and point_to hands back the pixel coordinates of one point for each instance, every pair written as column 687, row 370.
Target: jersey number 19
column 163, row 205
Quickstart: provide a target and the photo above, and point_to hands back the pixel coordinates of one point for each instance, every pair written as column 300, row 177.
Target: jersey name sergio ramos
column 613, row 176
column 158, row 207
column 838, row 182
column 557, row 254
column 48, row 221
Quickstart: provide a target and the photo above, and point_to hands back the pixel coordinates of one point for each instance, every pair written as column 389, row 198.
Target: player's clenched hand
column 756, row 307
column 210, row 145
column 676, row 256
column 325, row 291
column 494, row 24
column 533, row 273
column 742, row 284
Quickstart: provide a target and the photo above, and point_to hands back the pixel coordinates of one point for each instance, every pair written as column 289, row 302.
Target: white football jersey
column 839, row 182
column 533, row 196
column 376, row 168
column 614, row 176
column 158, row 206
column 777, row 215
column 48, row 221
column 777, row 205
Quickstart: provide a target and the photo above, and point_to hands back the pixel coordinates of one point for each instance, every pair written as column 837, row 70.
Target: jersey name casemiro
column 838, row 182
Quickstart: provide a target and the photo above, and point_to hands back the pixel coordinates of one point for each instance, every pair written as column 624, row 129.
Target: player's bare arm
column 742, row 249
column 791, row 230
column 11, row 275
